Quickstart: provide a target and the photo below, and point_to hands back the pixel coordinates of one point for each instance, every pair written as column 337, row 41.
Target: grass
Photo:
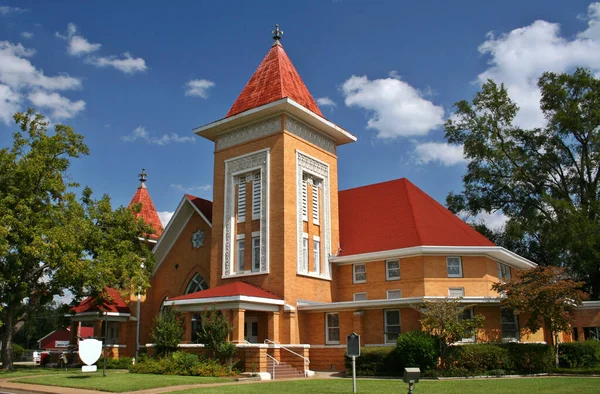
column 548, row 385
column 21, row 370
column 117, row 381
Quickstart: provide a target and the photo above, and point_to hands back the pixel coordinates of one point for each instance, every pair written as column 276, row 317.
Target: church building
column 295, row 263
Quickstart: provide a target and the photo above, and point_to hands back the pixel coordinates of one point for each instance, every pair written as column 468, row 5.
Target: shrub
column 116, row 363
column 17, row 351
column 168, row 330
column 418, row 349
column 376, row 361
column 529, row 357
column 478, row 358
column 214, row 331
column 579, row 354
column 181, row 363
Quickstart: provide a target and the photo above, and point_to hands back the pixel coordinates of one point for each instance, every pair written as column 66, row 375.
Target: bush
column 529, row 357
column 478, row 358
column 168, row 330
column 17, row 351
column 579, row 354
column 376, row 361
column 115, row 363
column 418, row 349
column 181, row 363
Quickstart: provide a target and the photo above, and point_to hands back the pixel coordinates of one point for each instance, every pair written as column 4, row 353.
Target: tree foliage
column 445, row 319
column 50, row 240
column 169, row 327
column 545, row 295
column 546, row 180
column 214, row 334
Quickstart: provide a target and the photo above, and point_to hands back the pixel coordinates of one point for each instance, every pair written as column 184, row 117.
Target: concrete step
column 283, row 370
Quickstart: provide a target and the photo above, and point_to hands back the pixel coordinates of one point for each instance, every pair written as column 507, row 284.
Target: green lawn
column 21, row 371
column 117, row 381
column 493, row 386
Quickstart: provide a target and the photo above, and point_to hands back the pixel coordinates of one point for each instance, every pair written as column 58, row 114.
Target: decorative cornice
column 309, row 134
column 248, row 133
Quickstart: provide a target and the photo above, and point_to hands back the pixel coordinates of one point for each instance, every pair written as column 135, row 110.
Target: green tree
column 214, row 334
column 545, row 294
column 546, row 180
column 169, row 327
column 51, row 241
column 450, row 320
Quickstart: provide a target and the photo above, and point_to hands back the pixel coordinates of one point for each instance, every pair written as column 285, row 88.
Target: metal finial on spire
column 143, row 177
column 277, row 33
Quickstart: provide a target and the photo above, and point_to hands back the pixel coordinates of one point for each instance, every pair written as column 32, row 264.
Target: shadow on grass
column 79, row 377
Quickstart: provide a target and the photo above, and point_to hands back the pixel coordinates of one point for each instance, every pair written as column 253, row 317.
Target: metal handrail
column 306, row 360
column 275, row 363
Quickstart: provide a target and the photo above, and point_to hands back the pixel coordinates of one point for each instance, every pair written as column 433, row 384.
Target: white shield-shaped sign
column 90, row 350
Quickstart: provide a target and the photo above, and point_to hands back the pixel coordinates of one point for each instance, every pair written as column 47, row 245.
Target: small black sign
column 353, row 345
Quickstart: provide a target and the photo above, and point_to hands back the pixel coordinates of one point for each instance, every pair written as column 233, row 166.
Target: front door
column 251, row 329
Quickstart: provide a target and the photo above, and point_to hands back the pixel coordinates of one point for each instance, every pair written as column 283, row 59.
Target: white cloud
column 125, row 63
column 396, row 109
column 27, row 35
column 19, row 78
column 164, row 217
column 192, row 189
column 518, row 59
column 439, row 152
column 5, row 10
column 140, row 133
column 326, row 102
column 18, row 72
column 9, row 103
column 198, row 87
column 494, row 221
column 79, row 45
column 61, row 107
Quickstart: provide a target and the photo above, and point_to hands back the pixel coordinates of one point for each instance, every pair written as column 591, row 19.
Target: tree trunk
column 555, row 337
column 7, row 361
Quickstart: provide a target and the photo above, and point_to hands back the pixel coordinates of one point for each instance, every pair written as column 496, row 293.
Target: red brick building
column 296, row 263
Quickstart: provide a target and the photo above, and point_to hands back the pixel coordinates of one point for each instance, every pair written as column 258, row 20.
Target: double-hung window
column 332, row 328
column 503, row 272
column 392, row 270
column 241, row 246
column 317, row 255
column 359, row 273
column 360, row 296
column 255, row 253
column 454, row 266
column 591, row 333
column 510, row 324
column 455, row 292
column 394, row 294
column 305, row 253
column 467, row 314
column 392, row 325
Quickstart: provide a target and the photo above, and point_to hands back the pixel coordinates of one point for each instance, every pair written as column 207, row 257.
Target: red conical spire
column 275, row 78
column 148, row 212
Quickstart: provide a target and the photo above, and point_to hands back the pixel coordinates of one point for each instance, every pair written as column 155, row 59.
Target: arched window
column 196, row 284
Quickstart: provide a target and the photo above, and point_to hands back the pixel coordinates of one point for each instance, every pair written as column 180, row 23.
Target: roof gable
column 233, row 289
column 275, row 78
column 148, row 212
column 204, row 206
column 113, row 302
column 396, row 215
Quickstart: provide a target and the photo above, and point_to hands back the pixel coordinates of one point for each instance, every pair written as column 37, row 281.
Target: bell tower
column 275, row 208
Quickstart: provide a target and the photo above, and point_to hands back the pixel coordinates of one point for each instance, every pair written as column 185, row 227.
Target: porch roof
column 233, row 295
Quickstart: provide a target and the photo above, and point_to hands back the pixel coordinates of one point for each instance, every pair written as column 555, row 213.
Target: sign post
column 353, row 350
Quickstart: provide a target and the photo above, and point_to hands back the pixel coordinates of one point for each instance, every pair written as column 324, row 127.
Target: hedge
column 584, row 354
column 181, row 363
column 418, row 349
column 477, row 359
column 529, row 357
column 377, row 361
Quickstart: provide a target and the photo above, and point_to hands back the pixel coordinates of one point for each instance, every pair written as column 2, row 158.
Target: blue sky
column 136, row 77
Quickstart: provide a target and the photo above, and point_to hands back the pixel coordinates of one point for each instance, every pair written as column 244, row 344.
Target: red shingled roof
column 229, row 290
column 148, row 212
column 112, row 303
column 395, row 215
column 203, row 205
column 275, row 78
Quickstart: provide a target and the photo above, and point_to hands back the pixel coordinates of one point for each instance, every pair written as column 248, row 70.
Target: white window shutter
column 256, row 194
column 242, row 199
column 304, row 201
column 315, row 204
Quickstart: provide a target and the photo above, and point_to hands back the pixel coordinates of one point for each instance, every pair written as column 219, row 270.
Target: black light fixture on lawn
column 411, row 376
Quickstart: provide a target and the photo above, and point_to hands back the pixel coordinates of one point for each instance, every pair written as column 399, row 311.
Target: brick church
column 297, row 264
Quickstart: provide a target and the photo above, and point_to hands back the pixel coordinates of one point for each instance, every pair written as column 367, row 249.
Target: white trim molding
column 258, row 160
column 314, row 167
column 229, row 302
column 312, row 306
column 493, row 252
